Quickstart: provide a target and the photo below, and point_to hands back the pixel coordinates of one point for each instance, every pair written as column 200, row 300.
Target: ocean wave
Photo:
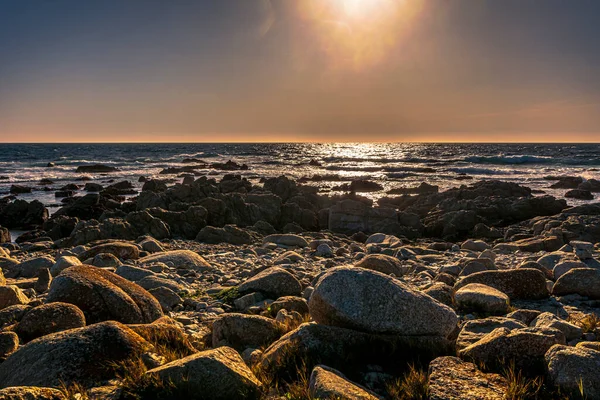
column 500, row 159
column 478, row 171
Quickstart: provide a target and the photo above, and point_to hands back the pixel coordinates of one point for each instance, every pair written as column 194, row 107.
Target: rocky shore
column 206, row 289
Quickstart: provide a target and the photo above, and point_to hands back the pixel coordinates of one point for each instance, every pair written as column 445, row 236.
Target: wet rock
column 218, row 374
column 98, row 168
column 516, row 283
column 274, row 281
column 579, row 194
column 81, row 355
column 242, row 331
column 372, row 302
column 103, row 295
column 451, row 378
column 49, row 318
column 21, row 214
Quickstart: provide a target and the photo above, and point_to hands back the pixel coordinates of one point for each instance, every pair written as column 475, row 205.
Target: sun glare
column 359, row 33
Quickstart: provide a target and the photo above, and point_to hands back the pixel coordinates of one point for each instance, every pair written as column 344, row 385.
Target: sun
column 358, row 33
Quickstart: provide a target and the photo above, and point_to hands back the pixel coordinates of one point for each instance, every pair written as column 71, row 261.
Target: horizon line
column 308, row 142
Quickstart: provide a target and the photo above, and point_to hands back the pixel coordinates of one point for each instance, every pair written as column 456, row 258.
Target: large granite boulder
column 82, row 356
column 574, row 369
column 103, row 295
column 521, row 283
column 581, row 281
column 372, row 302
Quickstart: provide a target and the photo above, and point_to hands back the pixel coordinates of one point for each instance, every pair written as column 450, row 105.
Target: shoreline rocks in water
column 228, row 289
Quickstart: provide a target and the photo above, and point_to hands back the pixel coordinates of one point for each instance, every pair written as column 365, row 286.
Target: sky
column 299, row 70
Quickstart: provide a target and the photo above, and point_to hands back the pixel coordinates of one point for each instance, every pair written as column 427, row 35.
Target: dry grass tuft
column 520, row 387
column 414, row 385
column 74, row 391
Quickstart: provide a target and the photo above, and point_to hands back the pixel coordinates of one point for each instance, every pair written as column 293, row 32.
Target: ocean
column 391, row 165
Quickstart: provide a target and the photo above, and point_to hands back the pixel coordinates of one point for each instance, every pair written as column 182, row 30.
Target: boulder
column 4, row 235
column 574, row 369
column 372, row 302
column 351, row 216
column 121, row 250
column 525, row 347
column 474, row 330
column 42, row 285
column 274, row 281
column 154, row 282
column 451, row 378
column 62, row 263
column 242, row 331
column 327, row 383
column 132, row 273
column 97, row 168
column 103, row 295
column 382, row 263
column 167, row 298
column 228, row 234
column 180, row 259
column 481, row 298
column 218, row 374
column 522, row 283
column 565, row 266
column 9, row 343
column 31, row 393
column 289, row 303
column 349, row 350
column 581, row 281
column 49, row 318
column 21, row 214
column 84, row 356
column 289, row 240
column 31, row 268
column 549, row 320
column 10, row 296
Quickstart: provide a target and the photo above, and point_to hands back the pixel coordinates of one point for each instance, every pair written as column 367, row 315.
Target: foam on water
column 392, row 165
